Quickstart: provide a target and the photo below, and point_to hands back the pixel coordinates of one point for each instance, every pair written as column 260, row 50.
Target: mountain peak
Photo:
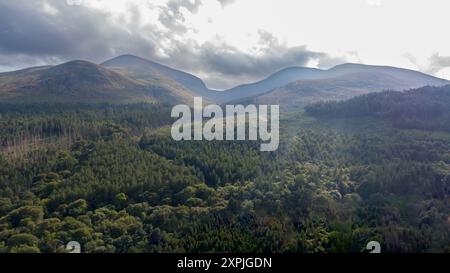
column 78, row 70
column 78, row 62
column 361, row 66
column 295, row 69
column 131, row 56
column 145, row 69
column 127, row 59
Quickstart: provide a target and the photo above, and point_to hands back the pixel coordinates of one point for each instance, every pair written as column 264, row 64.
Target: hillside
column 344, row 82
column 275, row 80
column 79, row 81
column 411, row 78
column 148, row 72
column 426, row 108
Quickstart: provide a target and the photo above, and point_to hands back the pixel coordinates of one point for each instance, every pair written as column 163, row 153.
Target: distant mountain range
column 298, row 86
column 344, row 82
column 129, row 78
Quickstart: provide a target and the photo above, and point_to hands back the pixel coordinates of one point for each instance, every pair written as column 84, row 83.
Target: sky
column 229, row 42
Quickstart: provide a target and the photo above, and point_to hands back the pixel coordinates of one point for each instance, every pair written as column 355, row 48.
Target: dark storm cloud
column 72, row 32
column 23, row 32
column 32, row 35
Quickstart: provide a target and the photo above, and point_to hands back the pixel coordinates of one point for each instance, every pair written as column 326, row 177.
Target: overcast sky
column 227, row 42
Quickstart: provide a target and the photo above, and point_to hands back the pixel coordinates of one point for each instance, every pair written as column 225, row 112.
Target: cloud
column 69, row 32
column 226, row 2
column 438, row 63
column 271, row 55
column 172, row 15
column 434, row 65
column 52, row 31
column 222, row 65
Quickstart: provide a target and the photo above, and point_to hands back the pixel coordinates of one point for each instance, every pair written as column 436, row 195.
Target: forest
column 376, row 167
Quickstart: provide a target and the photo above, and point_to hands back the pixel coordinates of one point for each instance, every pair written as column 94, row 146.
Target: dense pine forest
column 376, row 167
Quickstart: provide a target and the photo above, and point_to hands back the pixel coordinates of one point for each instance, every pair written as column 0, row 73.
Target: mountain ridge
column 131, row 77
column 143, row 69
column 280, row 79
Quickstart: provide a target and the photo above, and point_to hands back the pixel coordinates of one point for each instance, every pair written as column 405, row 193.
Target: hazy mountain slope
column 147, row 71
column 344, row 82
column 410, row 78
column 276, row 80
column 300, row 93
column 285, row 82
column 79, row 81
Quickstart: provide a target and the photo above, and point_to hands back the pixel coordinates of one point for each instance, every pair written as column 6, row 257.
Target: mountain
column 341, row 82
column 410, row 78
column 147, row 71
column 80, row 81
column 276, row 80
column 130, row 78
